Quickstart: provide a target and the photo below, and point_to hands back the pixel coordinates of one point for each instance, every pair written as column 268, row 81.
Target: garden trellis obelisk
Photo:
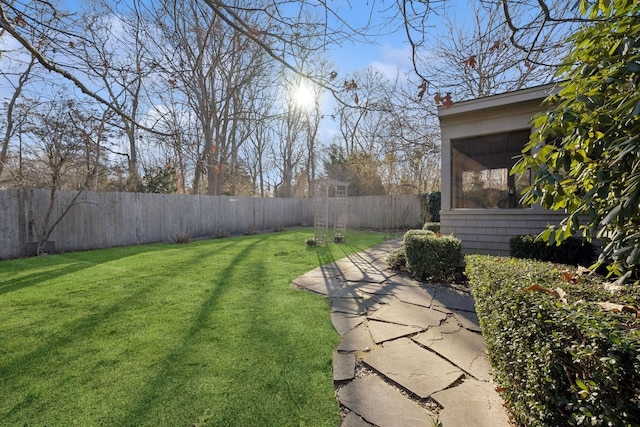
column 322, row 210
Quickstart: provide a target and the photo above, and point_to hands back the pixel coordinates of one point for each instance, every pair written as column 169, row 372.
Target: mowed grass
column 208, row 333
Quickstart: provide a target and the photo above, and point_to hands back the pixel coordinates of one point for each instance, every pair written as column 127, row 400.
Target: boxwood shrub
column 430, row 255
column 558, row 359
column 574, row 251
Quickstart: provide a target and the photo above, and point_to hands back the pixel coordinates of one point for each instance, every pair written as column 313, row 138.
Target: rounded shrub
column 431, row 256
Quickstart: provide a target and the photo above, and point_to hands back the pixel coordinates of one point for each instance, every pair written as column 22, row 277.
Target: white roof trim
column 508, row 98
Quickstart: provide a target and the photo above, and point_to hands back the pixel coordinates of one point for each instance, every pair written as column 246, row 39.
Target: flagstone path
column 411, row 353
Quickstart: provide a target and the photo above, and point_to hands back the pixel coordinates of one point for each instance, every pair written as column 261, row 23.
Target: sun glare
column 304, row 97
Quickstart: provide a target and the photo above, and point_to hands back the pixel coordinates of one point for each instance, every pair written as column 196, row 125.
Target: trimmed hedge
column 430, row 255
column 574, row 251
column 559, row 359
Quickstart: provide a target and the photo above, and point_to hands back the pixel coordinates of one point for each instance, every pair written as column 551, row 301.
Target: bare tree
column 281, row 29
column 10, row 128
column 63, row 151
column 362, row 125
column 473, row 57
column 289, row 152
column 216, row 69
column 114, row 53
column 260, row 122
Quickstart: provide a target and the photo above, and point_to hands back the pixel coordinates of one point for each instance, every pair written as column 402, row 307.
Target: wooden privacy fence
column 102, row 220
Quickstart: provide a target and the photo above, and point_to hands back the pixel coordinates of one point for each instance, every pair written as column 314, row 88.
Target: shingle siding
column 490, row 230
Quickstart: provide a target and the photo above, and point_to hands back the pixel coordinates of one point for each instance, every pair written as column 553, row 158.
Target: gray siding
column 487, row 231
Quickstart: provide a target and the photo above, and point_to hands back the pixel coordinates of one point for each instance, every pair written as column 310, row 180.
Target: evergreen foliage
column 564, row 347
column 586, row 149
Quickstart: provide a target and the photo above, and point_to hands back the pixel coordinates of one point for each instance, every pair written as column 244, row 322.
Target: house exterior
column 480, row 200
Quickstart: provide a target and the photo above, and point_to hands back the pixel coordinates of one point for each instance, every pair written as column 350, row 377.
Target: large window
column 480, row 171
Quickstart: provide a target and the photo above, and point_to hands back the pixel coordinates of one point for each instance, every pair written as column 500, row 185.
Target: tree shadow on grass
column 155, row 390
column 66, row 339
column 51, row 267
column 41, row 355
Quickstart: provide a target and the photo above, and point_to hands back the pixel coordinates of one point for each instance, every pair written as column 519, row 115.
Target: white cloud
column 399, row 56
column 392, row 61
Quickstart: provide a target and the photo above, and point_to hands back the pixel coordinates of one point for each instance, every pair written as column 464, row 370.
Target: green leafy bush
column 574, row 251
column 431, row 256
column 432, row 226
column 559, row 356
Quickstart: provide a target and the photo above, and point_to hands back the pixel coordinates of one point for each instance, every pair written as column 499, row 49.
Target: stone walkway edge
column 411, row 353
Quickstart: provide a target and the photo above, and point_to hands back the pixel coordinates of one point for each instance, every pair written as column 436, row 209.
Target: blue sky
column 388, row 51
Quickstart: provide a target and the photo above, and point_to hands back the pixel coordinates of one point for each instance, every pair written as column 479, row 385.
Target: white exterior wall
column 488, row 231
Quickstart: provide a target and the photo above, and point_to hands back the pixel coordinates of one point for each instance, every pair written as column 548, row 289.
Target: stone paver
column 453, row 299
column 372, row 288
column 357, row 339
column 404, row 280
column 344, row 366
column 319, row 284
column 413, row 295
column 348, row 305
column 422, row 338
column 472, row 403
column 368, row 276
column 364, row 396
column 468, row 319
column 353, row 420
column 383, row 331
column 409, row 314
column 413, row 367
column 464, row 348
column 344, row 322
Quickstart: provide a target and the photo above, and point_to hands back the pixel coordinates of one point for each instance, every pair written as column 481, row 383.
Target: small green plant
column 416, row 232
column 182, row 237
column 432, row 256
column 338, row 238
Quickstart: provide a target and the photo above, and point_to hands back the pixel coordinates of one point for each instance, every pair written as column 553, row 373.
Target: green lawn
column 206, row 333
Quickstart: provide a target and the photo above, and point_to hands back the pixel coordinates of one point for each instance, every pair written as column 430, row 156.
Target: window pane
column 481, row 168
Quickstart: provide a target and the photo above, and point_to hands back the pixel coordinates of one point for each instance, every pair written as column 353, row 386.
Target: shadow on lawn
column 67, row 338
column 64, row 264
column 149, row 398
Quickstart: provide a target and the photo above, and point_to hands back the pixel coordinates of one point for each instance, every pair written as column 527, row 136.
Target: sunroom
column 481, row 140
